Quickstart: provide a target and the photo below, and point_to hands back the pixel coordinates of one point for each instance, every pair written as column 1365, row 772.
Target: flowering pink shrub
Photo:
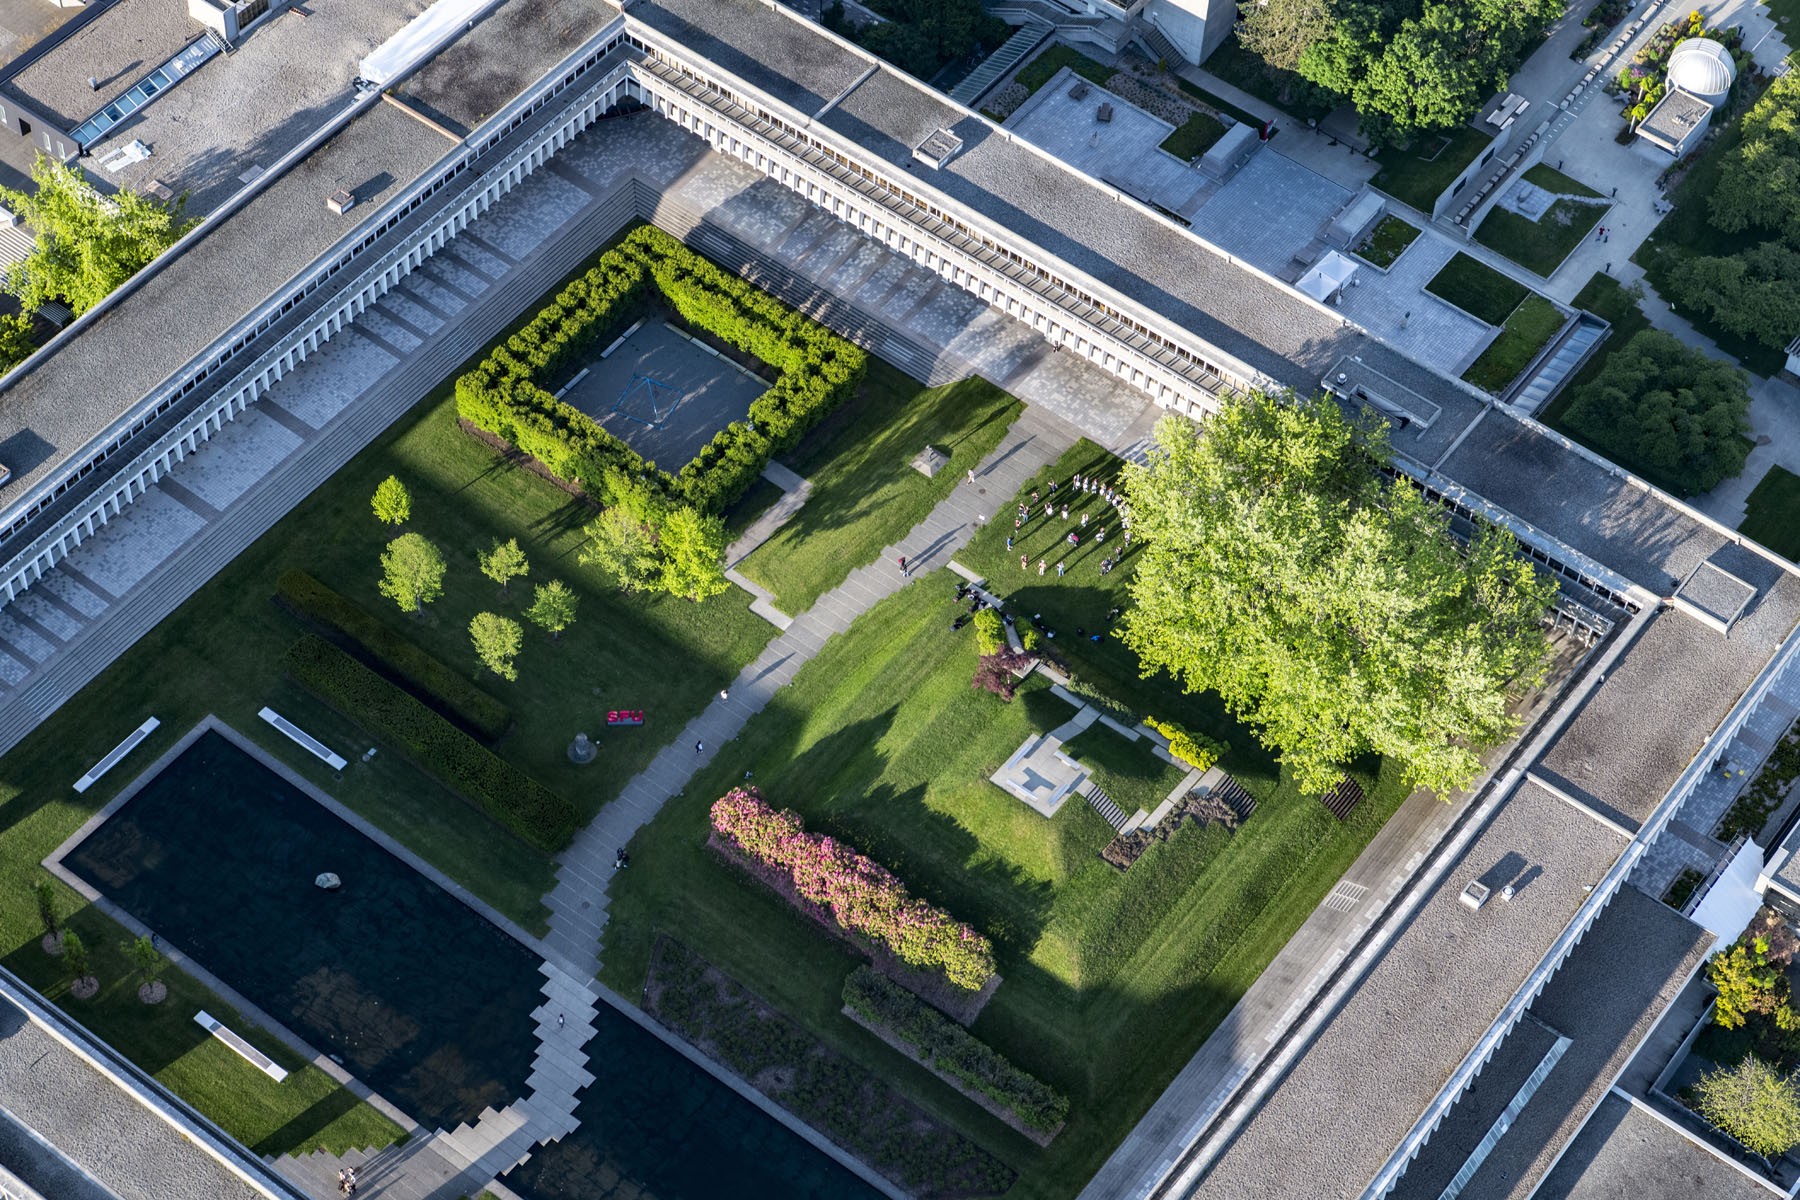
column 861, row 895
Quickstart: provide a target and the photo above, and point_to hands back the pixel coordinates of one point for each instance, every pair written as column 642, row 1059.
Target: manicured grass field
column 1540, row 246
column 1036, row 73
column 1387, row 242
column 1418, row 176
column 1478, row 289
column 1773, row 513
column 1111, row 980
column 866, row 494
column 1195, row 137
column 1125, row 770
column 1528, row 330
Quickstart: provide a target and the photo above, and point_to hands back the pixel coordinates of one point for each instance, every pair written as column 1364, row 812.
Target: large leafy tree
column 1281, row 31
column 1669, row 410
column 1754, row 1103
column 693, row 554
column 1329, row 607
column 1759, row 178
column 87, row 243
column 412, row 572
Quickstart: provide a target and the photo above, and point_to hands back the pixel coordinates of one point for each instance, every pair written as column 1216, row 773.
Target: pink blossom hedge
column 861, row 895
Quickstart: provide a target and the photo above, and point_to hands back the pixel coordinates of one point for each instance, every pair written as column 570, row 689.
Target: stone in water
column 328, row 881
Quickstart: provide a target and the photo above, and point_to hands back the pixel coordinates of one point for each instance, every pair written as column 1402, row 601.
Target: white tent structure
column 1327, row 277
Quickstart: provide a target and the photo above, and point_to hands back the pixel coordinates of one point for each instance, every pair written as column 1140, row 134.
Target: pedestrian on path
column 724, row 694
column 904, row 569
column 971, row 474
column 559, row 1020
column 699, row 747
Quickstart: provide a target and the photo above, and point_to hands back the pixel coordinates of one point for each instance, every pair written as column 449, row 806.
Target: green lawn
column 1219, row 104
column 1246, row 71
column 1387, row 242
column 1604, row 297
column 1127, row 771
column 866, row 495
column 1540, row 246
column 1478, row 289
column 1111, row 980
column 464, row 496
column 751, row 505
column 1417, row 176
column 1528, row 330
column 1195, row 137
column 1773, row 516
column 1036, row 73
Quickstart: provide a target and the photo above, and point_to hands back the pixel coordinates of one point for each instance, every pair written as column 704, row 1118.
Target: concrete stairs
column 1105, row 805
column 1154, row 40
column 1001, row 62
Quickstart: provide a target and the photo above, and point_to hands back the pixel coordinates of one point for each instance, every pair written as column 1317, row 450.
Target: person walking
column 1076, row 483
column 904, row 569
column 1084, row 520
column 1061, row 567
column 1041, row 565
column 1009, row 545
column 699, row 747
column 971, row 474
column 1024, row 561
column 1065, row 512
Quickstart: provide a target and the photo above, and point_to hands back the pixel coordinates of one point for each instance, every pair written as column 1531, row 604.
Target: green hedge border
column 540, row 816
column 505, row 395
column 395, row 656
column 955, row 1054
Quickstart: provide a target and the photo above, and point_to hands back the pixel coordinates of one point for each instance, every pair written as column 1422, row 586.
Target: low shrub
column 534, row 812
column 861, row 895
column 990, row 632
column 392, row 654
column 951, row 1050
column 1087, row 693
column 1196, row 750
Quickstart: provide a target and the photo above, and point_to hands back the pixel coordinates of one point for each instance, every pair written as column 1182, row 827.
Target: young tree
column 1327, row 606
column 148, row 962
column 412, row 572
column 1754, row 1103
column 504, row 563
column 87, row 244
column 623, row 546
column 995, row 672
column 552, row 608
column 78, row 965
column 990, row 632
column 1747, row 982
column 15, row 340
column 45, row 891
column 693, row 549
column 1677, row 414
column 497, row 643
column 392, row 502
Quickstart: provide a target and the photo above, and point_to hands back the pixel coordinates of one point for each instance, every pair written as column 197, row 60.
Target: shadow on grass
column 298, row 1135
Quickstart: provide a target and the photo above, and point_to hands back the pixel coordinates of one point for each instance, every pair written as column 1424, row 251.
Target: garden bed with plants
column 852, row 1105
column 1386, row 242
column 1751, row 810
column 1645, row 79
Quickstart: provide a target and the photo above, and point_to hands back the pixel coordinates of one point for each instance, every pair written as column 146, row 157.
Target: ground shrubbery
column 534, row 812
column 949, row 1049
column 861, row 895
column 1196, row 750
column 393, row 655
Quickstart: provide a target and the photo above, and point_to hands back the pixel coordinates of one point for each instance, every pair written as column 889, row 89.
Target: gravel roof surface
column 241, row 112
column 1329, row 1125
column 1625, row 1153
column 1644, row 724
column 82, row 388
column 1612, row 989
column 791, row 60
column 119, row 47
column 116, row 1139
column 511, row 49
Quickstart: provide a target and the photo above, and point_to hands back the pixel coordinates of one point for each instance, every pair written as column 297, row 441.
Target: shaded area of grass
column 1387, row 242
column 1219, row 103
column 866, row 494
column 752, row 504
column 1125, row 770
column 1772, row 513
column 1195, row 137
column 1244, row 70
column 1604, row 297
column 1036, row 73
column 1528, row 330
column 1553, row 180
column 1417, row 176
column 1477, row 289
column 881, row 740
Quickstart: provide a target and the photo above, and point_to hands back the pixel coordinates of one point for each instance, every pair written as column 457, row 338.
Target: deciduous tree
column 1678, row 414
column 620, row 543
column 552, row 607
column 1328, row 606
column 497, row 642
column 392, row 502
column 87, row 243
column 504, row 563
column 1754, row 1103
column 1747, row 982
column 693, row 549
column 1281, row 31
column 412, row 572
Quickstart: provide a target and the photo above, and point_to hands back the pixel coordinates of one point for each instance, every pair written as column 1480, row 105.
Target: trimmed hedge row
column 1196, row 750
column 528, row 808
column 951, row 1050
column 394, row 655
column 503, row 395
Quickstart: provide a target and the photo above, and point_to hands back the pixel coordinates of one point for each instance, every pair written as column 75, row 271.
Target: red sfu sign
column 625, row 716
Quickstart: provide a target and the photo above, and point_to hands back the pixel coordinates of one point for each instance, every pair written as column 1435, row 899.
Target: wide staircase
column 1156, row 42
column 1558, row 366
column 999, row 64
column 1105, row 805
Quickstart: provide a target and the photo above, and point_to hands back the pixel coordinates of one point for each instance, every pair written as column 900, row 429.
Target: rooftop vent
column 938, row 149
column 1476, row 894
column 340, row 202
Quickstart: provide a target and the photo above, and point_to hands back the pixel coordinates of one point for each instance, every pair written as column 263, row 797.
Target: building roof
column 1328, row 1126
column 78, row 391
column 1702, row 67
column 117, row 47
column 1608, row 995
column 1674, row 119
column 1624, row 1153
column 508, row 50
column 790, row 59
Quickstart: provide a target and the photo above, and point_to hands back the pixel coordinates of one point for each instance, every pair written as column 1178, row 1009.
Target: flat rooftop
column 1674, row 118
column 790, row 59
column 1329, row 1125
column 116, row 48
column 508, row 50
column 79, row 391
column 1624, row 1153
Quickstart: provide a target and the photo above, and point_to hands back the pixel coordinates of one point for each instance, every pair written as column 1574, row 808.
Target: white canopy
column 1327, row 276
column 420, row 38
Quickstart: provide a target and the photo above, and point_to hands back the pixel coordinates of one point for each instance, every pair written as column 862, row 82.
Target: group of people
column 1087, row 485
column 347, row 1180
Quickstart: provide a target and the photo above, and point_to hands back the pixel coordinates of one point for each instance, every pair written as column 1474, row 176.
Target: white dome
column 1702, row 67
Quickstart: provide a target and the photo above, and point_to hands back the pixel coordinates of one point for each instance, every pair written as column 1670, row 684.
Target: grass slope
column 866, row 495
column 1528, row 330
column 1195, row 137
column 1039, row 71
column 1540, row 246
column 1387, row 242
